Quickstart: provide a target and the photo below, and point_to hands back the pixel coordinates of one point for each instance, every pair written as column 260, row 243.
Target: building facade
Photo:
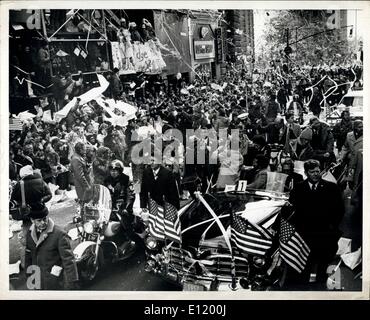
column 239, row 29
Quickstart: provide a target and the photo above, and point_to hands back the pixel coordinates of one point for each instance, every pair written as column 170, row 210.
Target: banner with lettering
column 146, row 57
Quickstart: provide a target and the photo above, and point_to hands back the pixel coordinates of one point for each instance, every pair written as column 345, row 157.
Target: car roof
column 355, row 93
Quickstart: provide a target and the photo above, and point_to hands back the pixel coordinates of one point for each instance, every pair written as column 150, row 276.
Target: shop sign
column 204, row 49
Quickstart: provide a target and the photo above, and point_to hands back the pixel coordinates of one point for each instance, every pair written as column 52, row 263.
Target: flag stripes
column 172, row 229
column 293, row 249
column 156, row 220
column 164, row 221
column 15, row 124
column 249, row 238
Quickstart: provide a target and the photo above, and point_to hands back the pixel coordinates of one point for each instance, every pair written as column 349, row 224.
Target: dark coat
column 292, row 180
column 282, row 96
column 303, row 154
column 35, row 190
column 13, row 170
column 272, row 130
column 81, row 175
column 294, row 132
column 51, row 249
column 272, row 109
column 323, row 140
column 317, row 217
column 164, row 187
column 340, row 131
column 100, row 170
column 120, row 189
column 115, row 86
column 315, row 104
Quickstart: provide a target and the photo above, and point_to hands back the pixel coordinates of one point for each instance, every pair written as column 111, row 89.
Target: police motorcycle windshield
column 98, row 204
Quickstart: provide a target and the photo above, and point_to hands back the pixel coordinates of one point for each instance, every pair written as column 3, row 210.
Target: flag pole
column 233, row 267
column 164, row 224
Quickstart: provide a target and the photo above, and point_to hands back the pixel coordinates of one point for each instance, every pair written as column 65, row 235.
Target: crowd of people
column 85, row 149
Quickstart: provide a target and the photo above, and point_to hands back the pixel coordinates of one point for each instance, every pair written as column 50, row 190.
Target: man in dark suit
column 322, row 142
column 319, row 209
column 160, row 184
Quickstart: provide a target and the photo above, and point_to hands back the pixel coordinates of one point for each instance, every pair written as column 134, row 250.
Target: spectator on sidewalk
column 48, row 247
column 36, row 192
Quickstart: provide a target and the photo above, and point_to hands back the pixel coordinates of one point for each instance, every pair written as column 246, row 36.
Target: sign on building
column 204, row 49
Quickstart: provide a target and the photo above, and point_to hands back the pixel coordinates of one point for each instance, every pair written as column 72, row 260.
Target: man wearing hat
column 49, row 249
column 36, row 191
column 302, row 149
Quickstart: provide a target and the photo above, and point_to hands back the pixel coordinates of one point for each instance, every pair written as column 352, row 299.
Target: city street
column 130, row 275
column 124, row 275
column 253, row 117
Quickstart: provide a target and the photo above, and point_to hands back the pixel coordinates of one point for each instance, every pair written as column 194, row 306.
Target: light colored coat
column 52, row 248
column 81, row 175
column 350, row 148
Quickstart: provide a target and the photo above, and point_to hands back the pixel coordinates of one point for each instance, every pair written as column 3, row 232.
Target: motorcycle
column 101, row 240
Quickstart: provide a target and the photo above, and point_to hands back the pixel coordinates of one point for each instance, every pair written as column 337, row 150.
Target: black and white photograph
column 180, row 148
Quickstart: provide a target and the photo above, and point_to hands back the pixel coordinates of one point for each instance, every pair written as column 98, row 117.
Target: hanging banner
column 122, row 60
column 140, row 57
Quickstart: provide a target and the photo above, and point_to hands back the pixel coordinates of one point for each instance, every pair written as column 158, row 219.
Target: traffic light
column 288, row 50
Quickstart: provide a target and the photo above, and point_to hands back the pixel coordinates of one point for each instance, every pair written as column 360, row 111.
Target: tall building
column 239, row 27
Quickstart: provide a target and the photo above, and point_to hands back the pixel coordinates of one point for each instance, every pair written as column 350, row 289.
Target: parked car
column 352, row 101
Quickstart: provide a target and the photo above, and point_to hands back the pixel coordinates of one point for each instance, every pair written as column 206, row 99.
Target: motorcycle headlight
column 259, row 262
column 89, row 227
column 149, row 266
column 151, row 243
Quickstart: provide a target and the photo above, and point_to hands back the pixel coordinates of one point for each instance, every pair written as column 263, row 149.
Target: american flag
column 293, row 250
column 249, row 237
column 15, row 124
column 172, row 228
column 156, row 220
